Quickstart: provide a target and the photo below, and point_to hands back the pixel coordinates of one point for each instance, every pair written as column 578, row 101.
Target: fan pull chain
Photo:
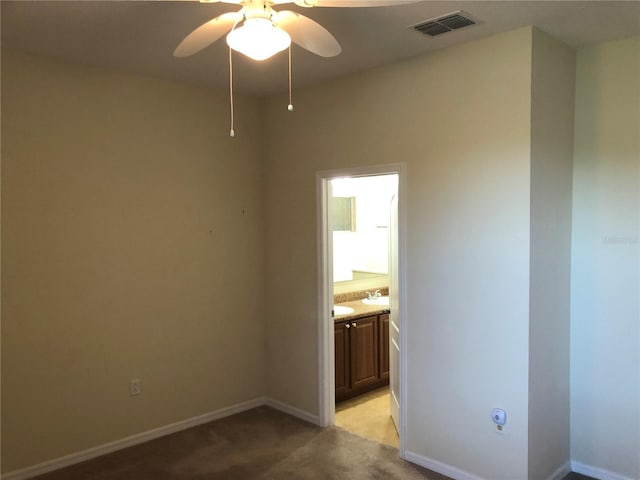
column 231, row 132
column 290, row 107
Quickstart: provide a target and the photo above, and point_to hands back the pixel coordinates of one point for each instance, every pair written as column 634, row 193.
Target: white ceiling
column 140, row 36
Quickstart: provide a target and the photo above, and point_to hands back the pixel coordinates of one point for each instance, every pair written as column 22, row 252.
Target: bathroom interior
column 360, row 215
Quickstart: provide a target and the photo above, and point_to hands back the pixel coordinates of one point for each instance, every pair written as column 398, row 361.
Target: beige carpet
column 368, row 416
column 260, row 444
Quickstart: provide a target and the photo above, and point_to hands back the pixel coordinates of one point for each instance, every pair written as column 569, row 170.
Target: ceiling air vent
column 444, row 24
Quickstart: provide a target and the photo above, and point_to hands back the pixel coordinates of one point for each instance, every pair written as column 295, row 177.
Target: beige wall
column 552, row 112
column 605, row 313
column 131, row 247
column 133, row 233
column 460, row 121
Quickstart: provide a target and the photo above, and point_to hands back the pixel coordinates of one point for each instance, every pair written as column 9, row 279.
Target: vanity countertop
column 360, row 310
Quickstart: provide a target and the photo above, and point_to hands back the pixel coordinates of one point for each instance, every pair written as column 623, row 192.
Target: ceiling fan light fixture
column 258, row 38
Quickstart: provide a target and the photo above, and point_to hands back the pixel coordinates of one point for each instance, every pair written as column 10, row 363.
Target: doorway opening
column 361, row 284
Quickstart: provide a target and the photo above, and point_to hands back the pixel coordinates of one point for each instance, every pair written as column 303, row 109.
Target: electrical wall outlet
column 134, row 387
column 499, row 417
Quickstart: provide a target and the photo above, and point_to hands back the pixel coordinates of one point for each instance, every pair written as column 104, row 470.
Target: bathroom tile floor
column 368, row 416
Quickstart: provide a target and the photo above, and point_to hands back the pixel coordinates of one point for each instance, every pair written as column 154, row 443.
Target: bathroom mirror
column 361, row 245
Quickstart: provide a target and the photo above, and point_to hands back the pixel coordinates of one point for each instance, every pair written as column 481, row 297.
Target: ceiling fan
column 265, row 32
column 259, row 32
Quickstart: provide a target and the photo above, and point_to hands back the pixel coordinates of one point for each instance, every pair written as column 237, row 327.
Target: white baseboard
column 293, row 411
column 440, row 467
column 110, row 447
column 561, row 472
column 431, row 464
column 596, row 472
column 458, row 474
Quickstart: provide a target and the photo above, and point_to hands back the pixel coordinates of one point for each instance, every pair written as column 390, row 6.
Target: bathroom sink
column 340, row 310
column 384, row 300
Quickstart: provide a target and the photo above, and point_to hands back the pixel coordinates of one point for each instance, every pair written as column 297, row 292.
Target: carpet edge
column 120, row 444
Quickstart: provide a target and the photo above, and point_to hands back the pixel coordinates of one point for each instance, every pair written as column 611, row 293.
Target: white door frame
column 326, row 364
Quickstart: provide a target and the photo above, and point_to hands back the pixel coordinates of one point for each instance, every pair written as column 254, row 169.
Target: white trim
column 326, row 368
column 403, row 324
column 458, row 474
column 595, row 472
column 561, row 472
column 440, row 467
column 83, row 455
column 293, row 411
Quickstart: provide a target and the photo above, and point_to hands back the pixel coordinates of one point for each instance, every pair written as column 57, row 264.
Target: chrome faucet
column 373, row 296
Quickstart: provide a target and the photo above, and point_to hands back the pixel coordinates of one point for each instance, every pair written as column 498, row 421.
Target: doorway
column 373, row 270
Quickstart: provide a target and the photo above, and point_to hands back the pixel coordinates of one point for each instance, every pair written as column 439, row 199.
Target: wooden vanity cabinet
column 383, row 324
column 365, row 362
column 342, row 358
column 361, row 359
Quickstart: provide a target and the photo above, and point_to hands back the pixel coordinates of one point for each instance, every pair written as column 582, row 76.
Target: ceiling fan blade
column 308, row 33
column 352, row 3
column 206, row 34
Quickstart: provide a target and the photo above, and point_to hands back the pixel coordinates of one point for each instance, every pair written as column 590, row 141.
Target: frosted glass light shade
column 258, row 38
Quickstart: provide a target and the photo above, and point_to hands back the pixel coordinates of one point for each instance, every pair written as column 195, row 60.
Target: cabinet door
column 341, row 345
column 364, row 352
column 384, row 346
